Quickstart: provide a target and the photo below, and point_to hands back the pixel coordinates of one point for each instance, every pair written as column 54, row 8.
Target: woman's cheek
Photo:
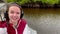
column 18, row 17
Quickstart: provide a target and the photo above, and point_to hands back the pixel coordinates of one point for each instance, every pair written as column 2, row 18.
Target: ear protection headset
column 6, row 13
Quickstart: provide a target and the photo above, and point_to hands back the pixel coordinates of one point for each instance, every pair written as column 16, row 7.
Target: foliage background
column 35, row 1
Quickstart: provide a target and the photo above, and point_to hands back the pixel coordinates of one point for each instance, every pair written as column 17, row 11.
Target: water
column 45, row 21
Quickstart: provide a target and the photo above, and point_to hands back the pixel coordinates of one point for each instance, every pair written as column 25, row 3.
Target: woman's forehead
column 14, row 8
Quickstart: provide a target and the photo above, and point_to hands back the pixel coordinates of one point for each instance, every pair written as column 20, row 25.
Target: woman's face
column 14, row 13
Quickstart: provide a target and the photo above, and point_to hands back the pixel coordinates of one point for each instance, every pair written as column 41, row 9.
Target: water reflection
column 45, row 21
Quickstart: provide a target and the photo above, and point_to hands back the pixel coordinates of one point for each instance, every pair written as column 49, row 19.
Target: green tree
column 43, row 1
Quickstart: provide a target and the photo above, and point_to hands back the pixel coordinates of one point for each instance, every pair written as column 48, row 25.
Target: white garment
column 3, row 30
column 28, row 30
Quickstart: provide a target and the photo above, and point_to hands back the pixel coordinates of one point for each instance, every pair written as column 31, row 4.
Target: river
column 44, row 21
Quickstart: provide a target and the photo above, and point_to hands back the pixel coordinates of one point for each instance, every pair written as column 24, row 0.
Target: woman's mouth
column 14, row 18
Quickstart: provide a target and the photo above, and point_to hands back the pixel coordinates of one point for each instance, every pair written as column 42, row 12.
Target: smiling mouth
column 14, row 18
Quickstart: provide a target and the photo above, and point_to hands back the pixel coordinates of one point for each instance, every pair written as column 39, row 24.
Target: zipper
column 16, row 31
column 16, row 27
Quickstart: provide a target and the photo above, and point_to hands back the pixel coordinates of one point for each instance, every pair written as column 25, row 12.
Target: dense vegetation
column 35, row 1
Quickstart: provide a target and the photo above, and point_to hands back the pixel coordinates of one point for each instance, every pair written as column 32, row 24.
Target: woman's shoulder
column 3, row 28
column 2, row 21
column 2, row 24
column 29, row 30
column 23, row 20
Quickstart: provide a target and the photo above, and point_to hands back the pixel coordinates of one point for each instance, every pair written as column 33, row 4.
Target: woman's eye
column 18, row 13
column 11, row 12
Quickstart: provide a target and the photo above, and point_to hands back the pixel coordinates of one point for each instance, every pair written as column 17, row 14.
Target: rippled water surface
column 45, row 21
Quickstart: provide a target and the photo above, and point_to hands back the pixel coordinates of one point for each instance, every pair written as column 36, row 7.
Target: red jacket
column 11, row 29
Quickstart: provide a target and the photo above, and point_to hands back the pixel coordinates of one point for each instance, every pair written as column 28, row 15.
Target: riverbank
column 40, row 5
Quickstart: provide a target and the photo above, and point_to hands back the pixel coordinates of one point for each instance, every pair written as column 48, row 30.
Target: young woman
column 14, row 23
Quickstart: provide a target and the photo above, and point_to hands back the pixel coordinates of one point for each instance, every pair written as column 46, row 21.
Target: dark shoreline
column 40, row 5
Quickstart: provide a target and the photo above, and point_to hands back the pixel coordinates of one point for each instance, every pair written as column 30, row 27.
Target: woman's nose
column 15, row 14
